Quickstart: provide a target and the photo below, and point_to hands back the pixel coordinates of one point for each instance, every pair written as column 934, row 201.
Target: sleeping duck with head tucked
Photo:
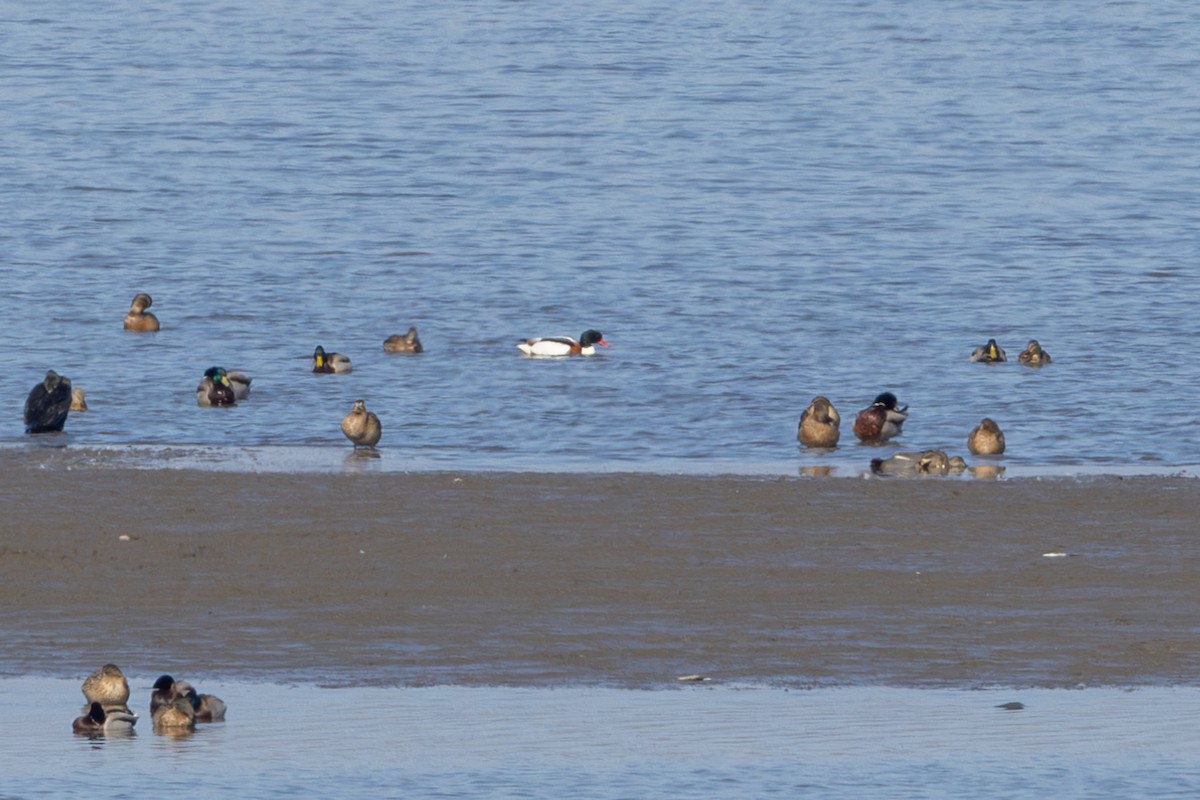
column 881, row 420
column 207, row 707
column 98, row 721
column 169, row 708
column 819, row 424
column 107, row 686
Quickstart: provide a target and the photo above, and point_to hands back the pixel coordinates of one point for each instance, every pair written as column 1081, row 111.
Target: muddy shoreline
column 624, row 580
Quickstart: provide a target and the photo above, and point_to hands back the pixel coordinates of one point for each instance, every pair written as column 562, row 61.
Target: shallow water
column 698, row 742
column 755, row 204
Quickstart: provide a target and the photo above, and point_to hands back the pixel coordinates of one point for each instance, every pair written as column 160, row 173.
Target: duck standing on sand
column 361, row 427
column 48, row 404
column 139, row 320
column 986, row 439
column 585, row 345
column 881, row 420
column 819, row 424
column 1033, row 355
column 215, row 389
column 98, row 721
column 169, row 709
column 990, row 353
column 329, row 363
column 403, row 343
column 208, row 708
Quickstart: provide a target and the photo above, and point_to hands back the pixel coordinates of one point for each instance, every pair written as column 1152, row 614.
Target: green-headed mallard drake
column 107, row 686
column 585, row 345
column 990, row 353
column 1033, row 355
column 207, row 707
column 403, row 343
column 819, row 424
column 48, row 404
column 986, row 439
column 326, row 363
column 98, row 720
column 881, row 420
column 215, row 389
column 361, row 426
column 139, row 319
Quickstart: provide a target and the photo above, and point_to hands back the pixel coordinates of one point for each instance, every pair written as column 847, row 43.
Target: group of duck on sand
column 820, row 424
column 175, row 707
column 49, row 402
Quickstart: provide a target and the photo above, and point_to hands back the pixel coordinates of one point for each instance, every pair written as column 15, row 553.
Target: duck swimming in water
column 361, row 427
column 98, row 721
column 207, row 707
column 48, row 404
column 169, row 709
column 215, row 389
column 107, row 686
column 403, row 343
column 881, row 420
column 139, row 320
column 1033, row 355
column 986, row 439
column 328, row 363
column 585, row 345
column 990, row 353
column 819, row 424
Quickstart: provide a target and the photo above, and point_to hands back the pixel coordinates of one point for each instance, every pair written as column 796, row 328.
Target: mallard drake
column 406, row 343
column 48, row 404
column 107, row 686
column 361, row 426
column 97, row 720
column 1033, row 355
column 819, row 424
column 240, row 383
column 139, row 319
column 986, row 439
column 78, row 401
column 881, row 420
column 926, row 462
column 326, row 363
column 989, row 353
column 585, row 345
column 169, row 709
column 207, row 707
column 215, row 389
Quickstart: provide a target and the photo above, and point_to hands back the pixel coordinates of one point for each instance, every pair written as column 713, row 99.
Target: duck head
column 888, row 400
column 591, row 337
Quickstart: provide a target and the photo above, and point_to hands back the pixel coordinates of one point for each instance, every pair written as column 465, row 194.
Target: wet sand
column 624, row 580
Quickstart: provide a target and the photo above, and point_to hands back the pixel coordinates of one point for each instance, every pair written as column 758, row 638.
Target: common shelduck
column 585, row 345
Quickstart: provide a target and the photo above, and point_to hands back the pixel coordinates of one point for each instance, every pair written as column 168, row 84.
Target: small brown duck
column 986, row 439
column 881, row 420
column 78, row 401
column 139, row 320
column 215, row 389
column 48, row 404
column 169, row 709
column 107, row 686
column 1033, row 355
column 403, row 343
column 819, row 424
column 328, row 363
column 207, row 707
column 361, row 427
column 98, row 721
column 990, row 353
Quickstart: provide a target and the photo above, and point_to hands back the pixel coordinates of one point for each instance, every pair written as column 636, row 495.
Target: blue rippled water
column 756, row 203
